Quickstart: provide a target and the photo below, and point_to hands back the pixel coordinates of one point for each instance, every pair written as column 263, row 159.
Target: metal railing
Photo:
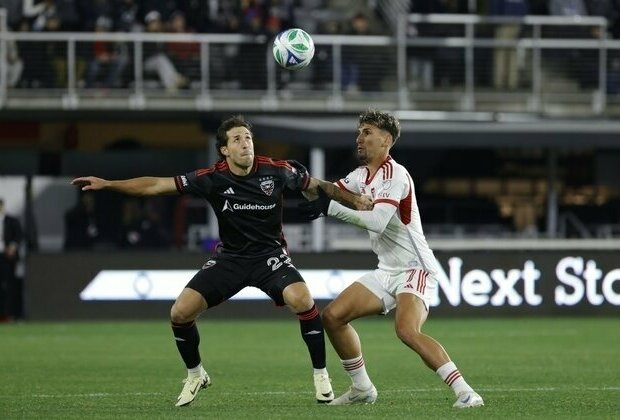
column 460, row 62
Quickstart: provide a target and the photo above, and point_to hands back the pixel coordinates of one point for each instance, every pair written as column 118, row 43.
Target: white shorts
column 386, row 285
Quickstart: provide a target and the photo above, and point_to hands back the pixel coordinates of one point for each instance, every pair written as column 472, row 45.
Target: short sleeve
column 196, row 183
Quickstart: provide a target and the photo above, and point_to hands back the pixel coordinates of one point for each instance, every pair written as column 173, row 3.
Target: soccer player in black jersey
column 245, row 192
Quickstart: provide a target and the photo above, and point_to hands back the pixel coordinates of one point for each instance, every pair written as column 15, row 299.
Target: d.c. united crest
column 267, row 186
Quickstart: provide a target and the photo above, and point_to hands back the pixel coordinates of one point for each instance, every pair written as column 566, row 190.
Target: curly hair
column 221, row 139
column 383, row 120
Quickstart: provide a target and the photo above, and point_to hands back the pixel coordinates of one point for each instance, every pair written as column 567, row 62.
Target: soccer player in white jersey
column 406, row 271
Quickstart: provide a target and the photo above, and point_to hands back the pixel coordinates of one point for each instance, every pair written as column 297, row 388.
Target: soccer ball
column 293, row 49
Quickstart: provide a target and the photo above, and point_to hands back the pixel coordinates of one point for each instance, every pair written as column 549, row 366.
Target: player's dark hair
column 383, row 120
column 221, row 139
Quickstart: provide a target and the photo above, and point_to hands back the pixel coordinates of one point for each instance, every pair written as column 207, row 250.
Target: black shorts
column 224, row 275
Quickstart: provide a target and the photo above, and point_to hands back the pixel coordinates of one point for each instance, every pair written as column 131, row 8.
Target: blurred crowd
column 109, row 222
column 267, row 16
column 175, row 65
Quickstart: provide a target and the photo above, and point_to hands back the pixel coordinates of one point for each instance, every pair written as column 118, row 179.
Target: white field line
column 387, row 391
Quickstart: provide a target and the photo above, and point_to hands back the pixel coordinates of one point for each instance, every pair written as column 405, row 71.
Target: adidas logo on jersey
column 229, row 191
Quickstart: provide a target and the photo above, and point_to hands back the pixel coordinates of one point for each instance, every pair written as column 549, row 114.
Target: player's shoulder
column 269, row 163
column 219, row 166
column 393, row 169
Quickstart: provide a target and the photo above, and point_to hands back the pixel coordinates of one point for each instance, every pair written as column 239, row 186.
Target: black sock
column 187, row 338
column 314, row 336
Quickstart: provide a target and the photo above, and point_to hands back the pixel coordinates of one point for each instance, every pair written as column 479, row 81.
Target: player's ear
column 224, row 150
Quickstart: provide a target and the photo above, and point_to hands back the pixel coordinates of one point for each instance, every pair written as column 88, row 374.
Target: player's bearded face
column 240, row 147
column 369, row 143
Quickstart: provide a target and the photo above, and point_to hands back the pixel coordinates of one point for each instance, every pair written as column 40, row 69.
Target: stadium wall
column 504, row 282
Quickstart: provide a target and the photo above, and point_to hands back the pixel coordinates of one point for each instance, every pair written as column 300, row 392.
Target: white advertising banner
column 167, row 284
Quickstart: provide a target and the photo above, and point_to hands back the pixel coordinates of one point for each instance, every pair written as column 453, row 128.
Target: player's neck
column 238, row 170
column 374, row 165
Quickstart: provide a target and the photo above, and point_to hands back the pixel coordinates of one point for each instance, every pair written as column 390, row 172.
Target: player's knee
column 407, row 334
column 301, row 303
column 179, row 314
column 298, row 299
column 330, row 317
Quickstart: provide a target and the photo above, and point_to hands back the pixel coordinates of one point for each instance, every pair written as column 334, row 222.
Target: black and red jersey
column 248, row 208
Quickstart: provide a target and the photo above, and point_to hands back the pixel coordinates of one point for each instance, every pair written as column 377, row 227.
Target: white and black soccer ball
column 293, row 49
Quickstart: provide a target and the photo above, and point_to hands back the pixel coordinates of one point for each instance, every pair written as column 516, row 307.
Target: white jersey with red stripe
column 394, row 225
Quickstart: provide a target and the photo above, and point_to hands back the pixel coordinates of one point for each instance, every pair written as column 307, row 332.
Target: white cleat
column 357, row 396
column 468, row 400
column 193, row 384
column 323, row 387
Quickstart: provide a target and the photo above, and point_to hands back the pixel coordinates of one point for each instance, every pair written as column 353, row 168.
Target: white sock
column 320, row 371
column 452, row 377
column 356, row 369
column 195, row 371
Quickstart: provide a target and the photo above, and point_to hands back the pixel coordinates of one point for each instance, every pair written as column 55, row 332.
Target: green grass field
column 531, row 368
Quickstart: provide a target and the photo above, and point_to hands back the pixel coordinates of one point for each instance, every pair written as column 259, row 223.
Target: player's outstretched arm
column 146, row 185
column 344, row 197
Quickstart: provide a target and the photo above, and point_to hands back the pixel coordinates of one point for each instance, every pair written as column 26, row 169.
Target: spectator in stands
column 10, row 240
column 35, row 70
column 505, row 63
column 40, row 13
column 109, row 58
column 447, row 63
column 55, row 16
column 197, row 15
column 142, row 228
column 567, row 8
column 125, row 16
column 586, row 72
column 14, row 11
column 361, row 65
column 226, row 20
column 44, row 17
column 157, row 60
column 56, row 53
column 14, row 63
column 322, row 61
column 609, row 9
column 184, row 55
column 82, row 225
column 90, row 10
column 251, row 58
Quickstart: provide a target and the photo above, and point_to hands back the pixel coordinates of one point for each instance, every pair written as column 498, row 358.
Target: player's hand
column 301, row 169
column 316, row 208
column 89, row 183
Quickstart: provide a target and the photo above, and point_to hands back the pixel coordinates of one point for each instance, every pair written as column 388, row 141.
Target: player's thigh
column 411, row 312
column 276, row 276
column 357, row 300
column 285, row 286
column 219, row 279
column 415, row 281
